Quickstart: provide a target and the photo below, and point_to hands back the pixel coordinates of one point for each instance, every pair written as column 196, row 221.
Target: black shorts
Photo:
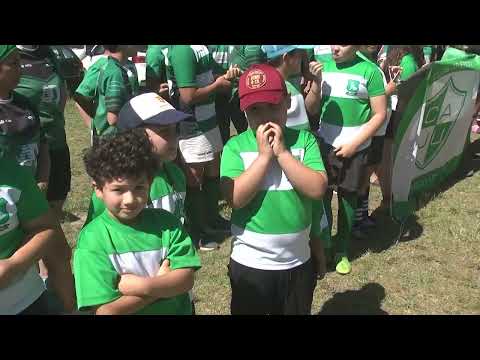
column 344, row 174
column 374, row 156
column 272, row 292
column 60, row 174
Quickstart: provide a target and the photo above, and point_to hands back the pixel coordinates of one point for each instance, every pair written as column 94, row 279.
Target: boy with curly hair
column 119, row 261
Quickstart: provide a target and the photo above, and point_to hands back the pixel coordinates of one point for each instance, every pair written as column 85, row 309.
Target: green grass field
column 435, row 270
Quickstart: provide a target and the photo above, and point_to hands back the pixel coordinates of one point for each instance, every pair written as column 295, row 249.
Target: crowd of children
column 310, row 120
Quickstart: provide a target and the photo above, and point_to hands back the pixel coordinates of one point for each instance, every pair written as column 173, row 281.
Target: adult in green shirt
column 43, row 86
column 28, row 233
column 19, row 121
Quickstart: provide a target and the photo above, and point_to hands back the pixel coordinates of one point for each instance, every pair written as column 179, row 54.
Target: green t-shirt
column 383, row 129
column 272, row 231
column 89, row 84
column 167, row 192
column 20, row 131
column 107, row 248
column 20, row 202
column 43, row 86
column 409, row 66
column 156, row 68
column 297, row 117
column 221, row 58
column 191, row 66
column 322, row 53
column 345, row 106
column 113, row 90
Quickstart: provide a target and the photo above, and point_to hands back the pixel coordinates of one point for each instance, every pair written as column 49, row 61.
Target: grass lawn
column 435, row 270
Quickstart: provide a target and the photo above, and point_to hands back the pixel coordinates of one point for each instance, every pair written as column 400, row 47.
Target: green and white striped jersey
column 106, row 249
column 191, row 67
column 272, row 231
column 297, row 117
column 322, row 53
column 20, row 202
column 346, row 92
column 221, row 58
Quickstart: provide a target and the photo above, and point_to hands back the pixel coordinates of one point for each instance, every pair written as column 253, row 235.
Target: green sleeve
column 312, row 157
column 409, row 67
column 231, row 164
column 155, row 64
column 88, row 86
column 96, row 280
column 375, row 85
column 181, row 252
column 115, row 92
column 32, row 203
column 178, row 176
column 184, row 64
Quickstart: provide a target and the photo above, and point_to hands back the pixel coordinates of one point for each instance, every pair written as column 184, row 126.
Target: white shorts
column 201, row 148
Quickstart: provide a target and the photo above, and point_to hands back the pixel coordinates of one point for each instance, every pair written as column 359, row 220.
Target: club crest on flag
column 440, row 115
column 4, row 215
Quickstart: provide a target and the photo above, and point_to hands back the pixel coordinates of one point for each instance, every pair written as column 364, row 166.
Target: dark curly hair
column 126, row 155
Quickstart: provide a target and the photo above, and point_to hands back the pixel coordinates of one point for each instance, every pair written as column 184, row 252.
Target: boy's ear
column 98, row 190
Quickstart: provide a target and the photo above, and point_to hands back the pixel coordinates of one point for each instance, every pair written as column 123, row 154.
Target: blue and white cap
column 273, row 51
column 148, row 109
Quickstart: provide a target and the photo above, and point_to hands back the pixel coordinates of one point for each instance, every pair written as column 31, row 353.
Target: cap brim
column 167, row 117
column 261, row 97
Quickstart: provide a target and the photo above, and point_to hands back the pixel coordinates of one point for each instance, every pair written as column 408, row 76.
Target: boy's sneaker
column 208, row 246
column 343, row 265
column 219, row 226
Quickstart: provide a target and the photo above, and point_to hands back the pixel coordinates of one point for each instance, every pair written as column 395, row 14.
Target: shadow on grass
column 385, row 235
column 365, row 301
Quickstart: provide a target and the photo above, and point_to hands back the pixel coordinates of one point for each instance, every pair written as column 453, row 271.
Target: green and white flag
column 435, row 110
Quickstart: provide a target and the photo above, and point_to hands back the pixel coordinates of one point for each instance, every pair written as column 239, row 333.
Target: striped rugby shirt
column 345, row 106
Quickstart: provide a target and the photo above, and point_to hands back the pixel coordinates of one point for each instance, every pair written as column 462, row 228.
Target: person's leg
column 211, row 191
column 38, row 307
column 347, row 203
column 194, row 206
column 300, row 288
column 60, row 180
column 237, row 116
column 252, row 290
column 329, row 246
column 223, row 116
column 385, row 173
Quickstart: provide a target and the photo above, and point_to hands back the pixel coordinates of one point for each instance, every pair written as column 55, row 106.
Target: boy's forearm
column 85, row 104
column 57, row 260
column 33, row 250
column 309, row 182
column 370, row 128
column 198, row 95
column 313, row 99
column 112, row 118
column 124, row 305
column 246, row 186
column 174, row 283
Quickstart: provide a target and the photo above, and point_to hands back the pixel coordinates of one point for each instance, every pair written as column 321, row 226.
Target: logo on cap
column 256, row 79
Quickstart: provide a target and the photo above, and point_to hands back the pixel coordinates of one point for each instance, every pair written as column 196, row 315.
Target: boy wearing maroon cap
column 271, row 175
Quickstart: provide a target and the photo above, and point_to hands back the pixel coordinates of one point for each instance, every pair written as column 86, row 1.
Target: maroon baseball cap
column 261, row 83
